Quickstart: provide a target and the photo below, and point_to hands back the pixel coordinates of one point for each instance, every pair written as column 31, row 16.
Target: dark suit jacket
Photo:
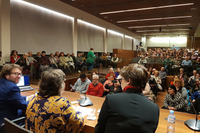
column 10, row 100
column 128, row 112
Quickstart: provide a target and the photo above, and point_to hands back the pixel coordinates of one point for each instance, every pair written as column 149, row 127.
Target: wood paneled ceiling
column 164, row 22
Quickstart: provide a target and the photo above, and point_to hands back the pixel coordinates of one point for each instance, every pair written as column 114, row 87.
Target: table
column 98, row 101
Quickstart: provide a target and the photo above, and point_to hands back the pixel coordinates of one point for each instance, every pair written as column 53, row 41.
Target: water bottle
column 171, row 122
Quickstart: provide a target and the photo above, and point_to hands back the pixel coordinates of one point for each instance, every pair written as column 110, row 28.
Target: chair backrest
column 11, row 127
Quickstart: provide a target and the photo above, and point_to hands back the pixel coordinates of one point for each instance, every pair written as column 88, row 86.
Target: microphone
column 193, row 124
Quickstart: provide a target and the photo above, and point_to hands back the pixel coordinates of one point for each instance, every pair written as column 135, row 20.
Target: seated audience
column 53, row 61
column 168, row 64
column 70, row 61
column 196, row 86
column 183, row 76
column 2, row 61
column 48, row 111
column 24, row 63
column 117, row 72
column 176, row 66
column 142, row 60
column 186, row 64
column 147, row 92
column 157, row 79
column 97, row 60
column 114, row 61
column 129, row 107
column 181, row 89
column 95, row 88
column 74, row 59
column 11, row 102
column 14, row 58
column 57, row 57
column 79, row 62
column 114, row 88
column 63, row 61
column 30, row 58
column 108, row 83
column 192, row 79
column 44, row 62
column 111, row 72
column 81, row 84
column 104, row 60
column 173, row 100
column 163, row 76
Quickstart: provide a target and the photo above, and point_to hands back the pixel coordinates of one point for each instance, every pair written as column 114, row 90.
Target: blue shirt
column 195, row 95
column 80, row 86
column 187, row 63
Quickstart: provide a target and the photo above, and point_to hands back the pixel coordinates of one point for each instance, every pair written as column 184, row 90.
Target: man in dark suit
column 130, row 111
column 11, row 102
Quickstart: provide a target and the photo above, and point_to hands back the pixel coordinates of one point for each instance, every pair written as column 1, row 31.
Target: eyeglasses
column 17, row 74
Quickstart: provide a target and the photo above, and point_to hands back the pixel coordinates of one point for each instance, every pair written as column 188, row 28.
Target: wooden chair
column 11, row 127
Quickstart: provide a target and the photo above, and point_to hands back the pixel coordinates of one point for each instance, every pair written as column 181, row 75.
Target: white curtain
column 89, row 37
column 33, row 29
column 128, row 43
column 114, row 41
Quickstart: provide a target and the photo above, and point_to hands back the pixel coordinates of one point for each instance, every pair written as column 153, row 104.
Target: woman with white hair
column 111, row 72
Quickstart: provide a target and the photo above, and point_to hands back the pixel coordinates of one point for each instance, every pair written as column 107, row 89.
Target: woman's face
column 178, row 84
column 62, row 54
column 124, row 83
column 15, row 53
column 51, row 55
column 171, row 91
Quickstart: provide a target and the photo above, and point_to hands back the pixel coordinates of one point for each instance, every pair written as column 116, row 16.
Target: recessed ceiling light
column 158, row 25
column 138, row 20
column 148, row 8
column 162, row 30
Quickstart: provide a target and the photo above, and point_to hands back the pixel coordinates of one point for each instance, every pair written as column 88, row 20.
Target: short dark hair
column 43, row 52
column 91, row 49
column 82, row 76
column 137, row 74
column 173, row 87
column 7, row 68
column 51, row 82
column 12, row 52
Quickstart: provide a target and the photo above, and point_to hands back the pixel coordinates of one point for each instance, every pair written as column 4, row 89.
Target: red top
column 95, row 90
column 108, row 75
column 14, row 60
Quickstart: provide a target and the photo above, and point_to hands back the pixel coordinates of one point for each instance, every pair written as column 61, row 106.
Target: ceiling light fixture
column 148, row 8
column 162, row 30
column 158, row 25
column 138, row 20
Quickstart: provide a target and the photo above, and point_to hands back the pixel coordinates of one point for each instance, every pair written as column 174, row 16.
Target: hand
column 171, row 108
column 193, row 100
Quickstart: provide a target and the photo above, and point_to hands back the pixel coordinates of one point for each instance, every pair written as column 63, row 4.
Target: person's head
column 38, row 53
column 143, row 57
column 162, row 69
column 68, row 54
column 153, row 69
column 83, row 77
column 178, row 83
column 62, row 54
column 186, row 58
column 198, row 81
column 194, row 72
column 95, row 79
column 11, row 72
column 51, row 55
column 25, row 55
column 78, row 55
column 112, row 77
column 161, row 56
column 43, row 53
column 111, row 70
column 181, row 70
column 175, row 77
column 156, row 73
column 171, row 89
column 56, row 53
column 52, row 82
column 197, row 75
column 134, row 75
column 115, row 55
column 72, row 54
column 14, row 53
column 30, row 54
column 94, row 73
column 91, row 49
column 167, row 56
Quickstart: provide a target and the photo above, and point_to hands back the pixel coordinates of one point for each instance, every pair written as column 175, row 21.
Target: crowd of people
column 35, row 65
column 124, row 89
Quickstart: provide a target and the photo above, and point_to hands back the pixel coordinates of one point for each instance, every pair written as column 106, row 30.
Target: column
column 75, row 36
column 5, row 29
column 105, row 41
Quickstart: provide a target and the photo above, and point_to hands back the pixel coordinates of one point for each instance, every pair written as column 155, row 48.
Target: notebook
column 24, row 84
